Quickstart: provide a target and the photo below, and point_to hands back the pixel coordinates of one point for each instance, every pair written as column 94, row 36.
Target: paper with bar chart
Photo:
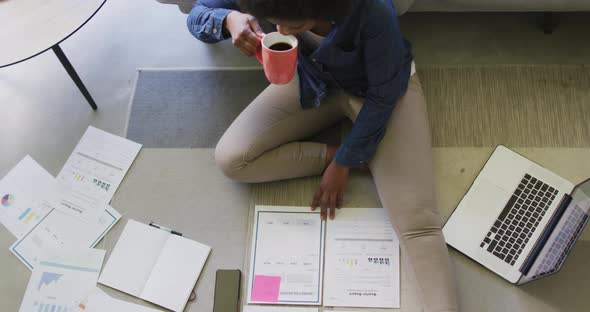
column 93, row 173
column 61, row 279
column 362, row 260
column 21, row 196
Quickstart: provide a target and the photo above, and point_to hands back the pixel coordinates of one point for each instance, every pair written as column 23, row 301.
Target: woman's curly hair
column 297, row 9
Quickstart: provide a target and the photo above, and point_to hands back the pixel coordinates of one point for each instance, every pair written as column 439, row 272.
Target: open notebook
column 351, row 261
column 155, row 265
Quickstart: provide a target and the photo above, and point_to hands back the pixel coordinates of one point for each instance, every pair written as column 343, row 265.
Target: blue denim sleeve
column 205, row 20
column 383, row 49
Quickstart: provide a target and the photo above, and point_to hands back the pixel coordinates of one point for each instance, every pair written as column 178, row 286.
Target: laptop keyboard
column 562, row 244
column 519, row 219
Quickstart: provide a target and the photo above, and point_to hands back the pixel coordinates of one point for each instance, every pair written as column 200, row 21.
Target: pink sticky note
column 266, row 288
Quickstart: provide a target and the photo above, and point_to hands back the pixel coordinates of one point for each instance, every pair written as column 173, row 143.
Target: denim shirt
column 364, row 55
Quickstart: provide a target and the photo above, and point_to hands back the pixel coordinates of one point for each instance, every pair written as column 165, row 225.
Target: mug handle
column 259, row 50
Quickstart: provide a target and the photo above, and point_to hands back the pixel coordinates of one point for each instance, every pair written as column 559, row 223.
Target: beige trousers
column 262, row 145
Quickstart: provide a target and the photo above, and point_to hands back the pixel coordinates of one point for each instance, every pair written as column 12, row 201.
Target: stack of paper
column 57, row 222
column 71, row 210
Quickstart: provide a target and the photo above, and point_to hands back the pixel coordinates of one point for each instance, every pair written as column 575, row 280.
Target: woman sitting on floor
column 353, row 62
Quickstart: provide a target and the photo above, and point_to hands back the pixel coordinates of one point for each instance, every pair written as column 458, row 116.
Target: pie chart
column 7, row 200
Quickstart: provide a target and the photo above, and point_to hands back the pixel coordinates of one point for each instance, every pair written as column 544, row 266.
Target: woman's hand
column 331, row 190
column 245, row 31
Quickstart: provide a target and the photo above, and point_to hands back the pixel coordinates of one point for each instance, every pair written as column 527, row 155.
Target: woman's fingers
column 247, row 41
column 316, row 199
column 247, row 47
column 325, row 202
column 333, row 202
column 256, row 27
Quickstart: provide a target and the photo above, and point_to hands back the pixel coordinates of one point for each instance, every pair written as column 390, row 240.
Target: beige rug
column 514, row 105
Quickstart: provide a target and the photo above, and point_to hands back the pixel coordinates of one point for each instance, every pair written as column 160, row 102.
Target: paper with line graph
column 362, row 266
column 22, row 193
column 61, row 279
column 61, row 230
column 93, row 173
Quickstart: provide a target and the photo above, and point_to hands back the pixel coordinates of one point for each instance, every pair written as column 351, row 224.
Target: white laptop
column 519, row 219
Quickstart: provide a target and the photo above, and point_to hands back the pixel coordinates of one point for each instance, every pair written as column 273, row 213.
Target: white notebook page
column 133, row 258
column 175, row 272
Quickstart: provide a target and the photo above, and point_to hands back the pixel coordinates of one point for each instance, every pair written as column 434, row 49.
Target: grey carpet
column 515, row 105
column 189, row 108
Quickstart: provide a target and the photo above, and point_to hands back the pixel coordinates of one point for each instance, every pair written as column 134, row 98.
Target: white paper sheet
column 99, row 301
column 257, row 308
column 93, row 173
column 155, row 265
column 287, row 253
column 21, row 196
column 58, row 230
column 61, row 279
column 362, row 267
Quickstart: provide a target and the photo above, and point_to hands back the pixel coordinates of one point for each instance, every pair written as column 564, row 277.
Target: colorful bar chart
column 27, row 215
column 48, row 307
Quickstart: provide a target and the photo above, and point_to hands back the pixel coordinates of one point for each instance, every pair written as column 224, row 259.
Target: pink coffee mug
column 278, row 55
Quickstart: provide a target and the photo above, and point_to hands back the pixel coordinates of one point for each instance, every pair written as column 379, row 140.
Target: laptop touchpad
column 484, row 206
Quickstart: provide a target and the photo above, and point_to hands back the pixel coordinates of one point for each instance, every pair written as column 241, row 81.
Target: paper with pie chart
column 61, row 279
column 22, row 194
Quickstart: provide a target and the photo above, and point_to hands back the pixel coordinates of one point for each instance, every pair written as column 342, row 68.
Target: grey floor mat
column 189, row 108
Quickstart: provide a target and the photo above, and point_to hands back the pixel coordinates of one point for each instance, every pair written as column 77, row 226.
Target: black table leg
column 70, row 69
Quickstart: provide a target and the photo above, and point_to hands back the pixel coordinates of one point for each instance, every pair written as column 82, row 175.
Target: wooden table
column 31, row 27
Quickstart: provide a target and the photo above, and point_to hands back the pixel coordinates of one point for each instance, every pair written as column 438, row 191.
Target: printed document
column 93, row 173
column 99, row 301
column 62, row 277
column 22, row 194
column 286, row 262
column 155, row 265
column 362, row 260
column 58, row 230
column 258, row 308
